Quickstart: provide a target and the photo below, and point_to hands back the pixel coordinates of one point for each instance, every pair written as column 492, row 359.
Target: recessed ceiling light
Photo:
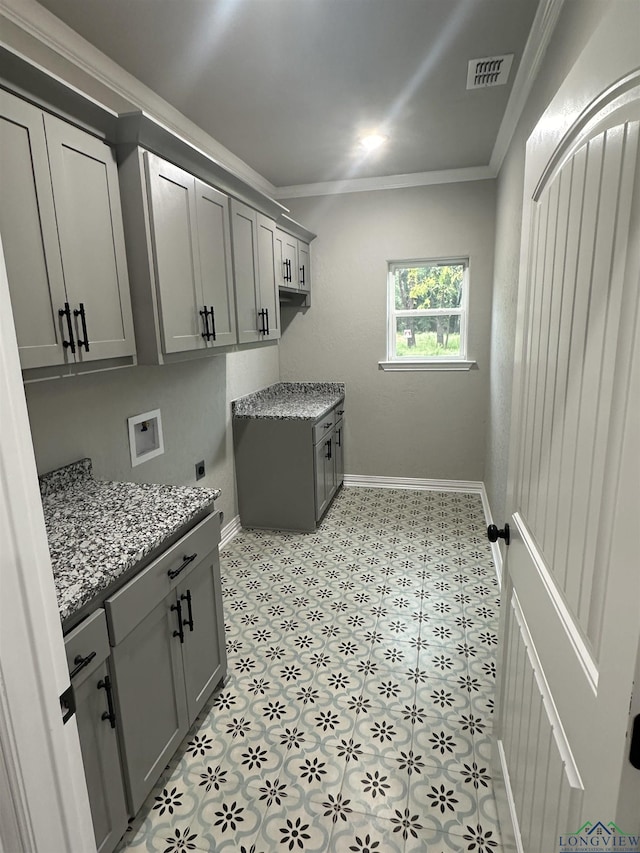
column 372, row 141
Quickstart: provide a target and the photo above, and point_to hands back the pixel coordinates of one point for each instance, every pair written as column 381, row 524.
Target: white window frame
column 438, row 362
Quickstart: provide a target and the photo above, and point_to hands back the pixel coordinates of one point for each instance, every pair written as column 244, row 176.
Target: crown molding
column 29, row 18
column 387, row 182
column 542, row 29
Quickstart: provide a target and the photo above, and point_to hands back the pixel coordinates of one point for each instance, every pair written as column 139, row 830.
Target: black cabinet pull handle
column 205, row 322
column 329, row 424
column 178, row 608
column 186, row 596
column 285, row 275
column 213, row 323
column 267, row 319
column 340, row 412
column 302, row 279
column 263, row 330
column 79, row 312
column 339, row 438
column 66, row 312
column 173, row 573
column 329, row 449
column 80, row 663
column 105, row 684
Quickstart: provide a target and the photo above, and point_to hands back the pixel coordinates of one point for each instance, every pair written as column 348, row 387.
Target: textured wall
column 418, row 424
column 577, row 21
column 87, row 416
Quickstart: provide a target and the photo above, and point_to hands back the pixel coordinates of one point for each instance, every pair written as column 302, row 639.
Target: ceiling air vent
column 489, row 71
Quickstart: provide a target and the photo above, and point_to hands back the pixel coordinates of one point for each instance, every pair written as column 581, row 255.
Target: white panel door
column 571, row 625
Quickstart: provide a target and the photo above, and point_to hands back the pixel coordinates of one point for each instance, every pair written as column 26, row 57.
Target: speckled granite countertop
column 290, row 401
column 98, row 530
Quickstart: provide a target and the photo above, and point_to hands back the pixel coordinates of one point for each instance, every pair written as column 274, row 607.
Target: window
column 427, row 315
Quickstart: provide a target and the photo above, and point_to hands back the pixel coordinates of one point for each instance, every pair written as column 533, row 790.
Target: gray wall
column 87, row 416
column 577, row 21
column 418, row 424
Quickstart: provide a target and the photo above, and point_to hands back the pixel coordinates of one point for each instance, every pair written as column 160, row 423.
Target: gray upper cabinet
column 63, row 240
column 287, row 259
column 293, row 264
column 191, row 249
column 256, row 283
column 179, row 253
column 304, row 266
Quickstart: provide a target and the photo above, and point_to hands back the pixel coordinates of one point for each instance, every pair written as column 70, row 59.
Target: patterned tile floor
column 357, row 712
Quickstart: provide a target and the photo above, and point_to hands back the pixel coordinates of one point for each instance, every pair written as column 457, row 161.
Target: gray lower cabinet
column 167, row 633
column 288, row 470
column 87, row 649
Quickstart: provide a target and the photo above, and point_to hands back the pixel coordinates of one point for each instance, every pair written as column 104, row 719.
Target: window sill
column 440, row 364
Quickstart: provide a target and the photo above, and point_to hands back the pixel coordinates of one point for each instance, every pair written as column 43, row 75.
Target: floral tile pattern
column 357, row 714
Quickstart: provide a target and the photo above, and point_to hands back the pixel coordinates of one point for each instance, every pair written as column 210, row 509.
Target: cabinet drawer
column 323, row 425
column 339, row 412
column 134, row 601
column 87, row 646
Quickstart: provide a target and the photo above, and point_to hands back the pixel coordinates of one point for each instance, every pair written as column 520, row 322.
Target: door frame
column 599, row 76
column 40, row 759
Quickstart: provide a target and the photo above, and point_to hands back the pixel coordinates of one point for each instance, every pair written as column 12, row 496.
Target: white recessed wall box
column 145, row 437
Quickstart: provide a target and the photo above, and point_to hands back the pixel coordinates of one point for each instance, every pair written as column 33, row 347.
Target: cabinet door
column 150, row 698
column 203, row 652
column 214, row 242
column 324, row 473
column 288, row 257
column 304, row 266
column 269, row 296
column 87, row 650
column 29, row 235
column 174, row 232
column 244, row 243
column 101, row 760
column 84, row 177
column 338, row 450
column 282, row 279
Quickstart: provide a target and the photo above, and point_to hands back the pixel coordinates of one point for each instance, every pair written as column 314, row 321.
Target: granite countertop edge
column 99, row 530
column 289, row 401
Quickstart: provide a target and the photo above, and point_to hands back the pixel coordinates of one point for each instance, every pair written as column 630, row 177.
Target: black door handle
column 302, row 279
column 79, row 312
column 493, row 534
column 105, row 684
column 266, row 311
column 178, row 608
column 186, row 596
column 329, row 449
column 173, row 573
column 634, row 752
column 66, row 312
column 205, row 322
column 213, row 323
column 80, row 663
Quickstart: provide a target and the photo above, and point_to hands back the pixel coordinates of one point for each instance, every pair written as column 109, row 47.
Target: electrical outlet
column 199, row 470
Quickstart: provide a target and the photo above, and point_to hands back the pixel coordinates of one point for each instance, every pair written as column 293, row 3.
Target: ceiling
column 288, row 85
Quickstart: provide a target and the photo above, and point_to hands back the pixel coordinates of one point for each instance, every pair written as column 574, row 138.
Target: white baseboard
column 496, row 553
column 229, row 531
column 507, row 816
column 416, row 483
